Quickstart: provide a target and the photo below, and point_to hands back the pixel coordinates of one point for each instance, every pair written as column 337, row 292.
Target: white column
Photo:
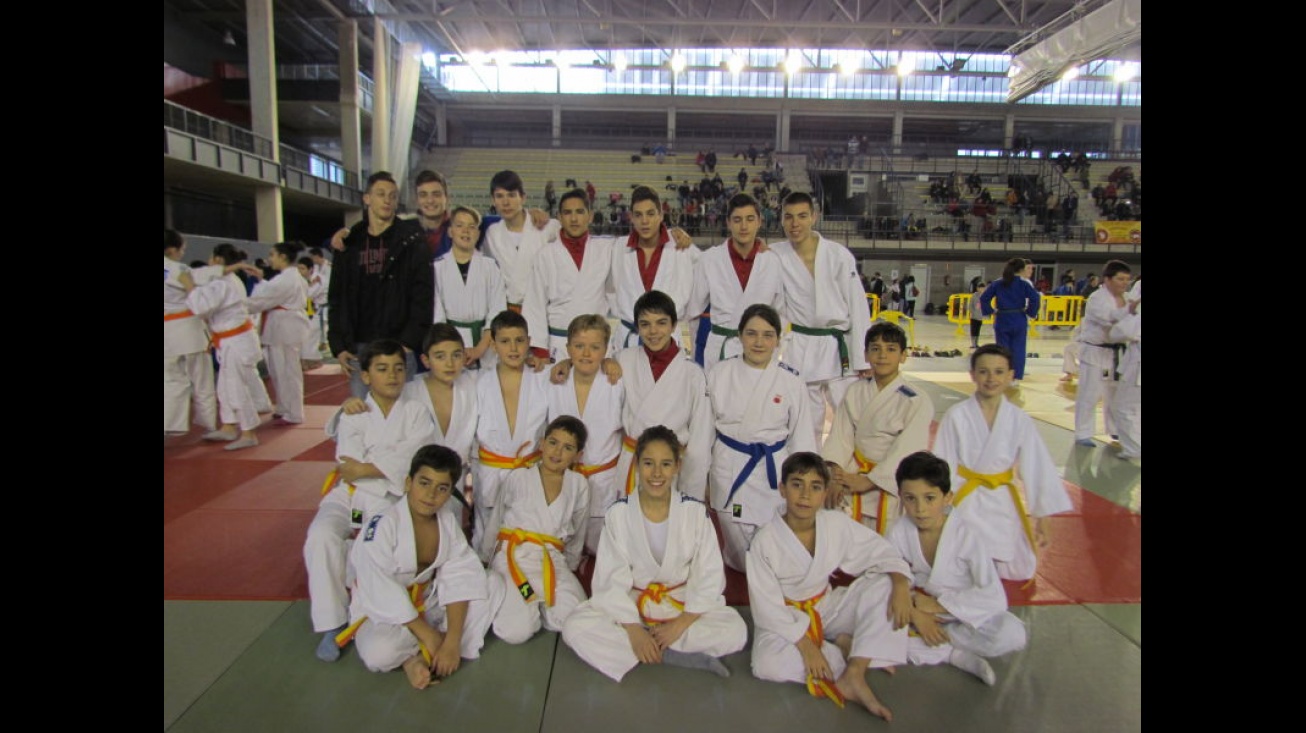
column 381, row 97
column 897, row 131
column 351, row 127
column 263, row 111
column 557, row 125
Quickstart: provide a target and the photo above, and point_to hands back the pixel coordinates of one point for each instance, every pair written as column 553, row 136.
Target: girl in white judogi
column 539, row 522
column 717, row 281
column 241, row 394
column 827, row 307
column 676, row 397
column 760, row 409
column 505, row 441
column 796, row 613
column 880, row 421
column 421, row 598
column 995, row 451
column 560, row 289
column 310, row 353
column 959, row 609
column 282, row 301
column 658, row 580
column 469, row 288
column 587, row 394
column 187, row 368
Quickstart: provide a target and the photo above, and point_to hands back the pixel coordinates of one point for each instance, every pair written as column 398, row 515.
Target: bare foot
column 419, row 675
column 845, row 644
column 853, row 686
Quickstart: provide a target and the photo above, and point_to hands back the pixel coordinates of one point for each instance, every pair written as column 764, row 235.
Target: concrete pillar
column 441, row 124
column 1117, row 133
column 782, row 131
column 897, row 132
column 381, row 102
column 351, row 126
column 1008, row 131
column 263, row 111
column 557, row 125
column 671, row 127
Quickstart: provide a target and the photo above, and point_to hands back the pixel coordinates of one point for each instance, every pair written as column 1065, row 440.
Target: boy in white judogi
column 653, row 259
column 880, row 421
column 281, row 300
column 469, row 288
column 1099, row 356
column 825, row 302
column 1127, row 407
column 421, row 598
column 796, row 613
column 732, row 276
column 658, row 585
column 664, row 387
column 187, row 367
column 374, row 449
column 539, row 523
column 760, row 408
column 569, row 278
column 959, row 609
column 513, row 242
column 988, row 442
column 588, row 395
column 513, row 404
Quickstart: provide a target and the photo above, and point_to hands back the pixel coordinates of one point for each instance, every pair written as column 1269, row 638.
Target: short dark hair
column 644, row 193
column 305, row 261
column 375, row 178
column 763, row 311
column 994, row 349
column 1113, row 268
column 799, row 197
column 172, row 240
column 430, row 176
column 507, row 319
column 379, row 347
column 439, row 333
column 656, row 301
column 886, row 332
column 575, row 193
column 925, row 466
column 657, row 433
column 508, row 181
column 289, row 250
column 804, row 461
column 315, row 252
column 228, row 253
column 572, row 425
column 438, row 458
column 739, row 201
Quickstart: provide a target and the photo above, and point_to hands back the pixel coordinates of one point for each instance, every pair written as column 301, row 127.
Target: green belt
column 729, row 333
column 476, row 328
column 559, row 332
column 838, row 338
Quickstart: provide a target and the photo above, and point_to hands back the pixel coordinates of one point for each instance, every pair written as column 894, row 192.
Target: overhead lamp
column 1125, row 72
column 1070, row 73
column 1013, row 70
column 560, row 62
column 475, row 58
column 793, row 62
column 904, row 66
column 619, row 62
column 677, row 63
column 228, row 39
column 735, row 64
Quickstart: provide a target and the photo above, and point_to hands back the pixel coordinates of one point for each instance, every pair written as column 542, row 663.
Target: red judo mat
column 234, row 522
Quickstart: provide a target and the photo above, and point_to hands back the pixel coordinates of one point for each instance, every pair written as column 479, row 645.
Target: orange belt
column 218, row 336
column 656, row 593
column 629, row 444
column 178, row 315
column 516, row 537
column 816, row 687
column 587, row 469
column 416, row 594
column 494, row 460
column 331, row 481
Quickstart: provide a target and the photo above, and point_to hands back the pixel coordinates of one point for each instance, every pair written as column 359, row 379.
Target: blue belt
column 630, row 327
column 755, row 452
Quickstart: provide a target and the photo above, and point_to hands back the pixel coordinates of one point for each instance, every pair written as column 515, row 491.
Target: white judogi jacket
column 492, row 432
column 478, row 300
column 717, row 286
column 386, row 441
column 962, row 577
column 516, row 256
column 675, row 277
column 602, row 418
column 755, row 406
column 522, row 506
column 834, row 299
column 184, row 335
column 221, row 302
column 461, row 435
column 965, row 440
column 283, row 299
column 558, row 292
column 679, row 401
column 1100, row 314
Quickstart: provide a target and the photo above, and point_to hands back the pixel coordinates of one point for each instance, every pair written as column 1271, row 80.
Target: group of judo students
column 618, row 449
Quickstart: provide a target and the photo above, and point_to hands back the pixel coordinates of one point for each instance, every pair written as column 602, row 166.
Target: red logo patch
column 776, row 399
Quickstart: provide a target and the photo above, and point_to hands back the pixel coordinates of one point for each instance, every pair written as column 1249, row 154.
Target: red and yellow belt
column 628, row 443
column 817, row 687
column 494, row 460
column 656, row 593
column 587, row 469
column 515, row 537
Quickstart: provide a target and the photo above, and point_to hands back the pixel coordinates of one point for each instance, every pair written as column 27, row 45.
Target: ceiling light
column 619, row 63
column 228, row 39
column 1125, row 72
column 1070, row 73
column 677, row 63
column 735, row 64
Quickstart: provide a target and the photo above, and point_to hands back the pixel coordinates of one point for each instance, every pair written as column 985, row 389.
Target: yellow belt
column 331, row 481
column 629, row 444
column 416, row 594
column 993, row 482
column 516, row 537
column 864, row 467
column 494, row 460
column 656, row 593
column 587, row 469
column 817, row 687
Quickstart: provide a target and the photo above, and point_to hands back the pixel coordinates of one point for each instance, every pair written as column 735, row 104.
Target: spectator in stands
column 709, row 161
column 550, row 197
column 752, row 157
column 701, row 162
column 1069, row 212
column 1090, row 286
column 742, row 178
column 1067, row 286
column 591, row 193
